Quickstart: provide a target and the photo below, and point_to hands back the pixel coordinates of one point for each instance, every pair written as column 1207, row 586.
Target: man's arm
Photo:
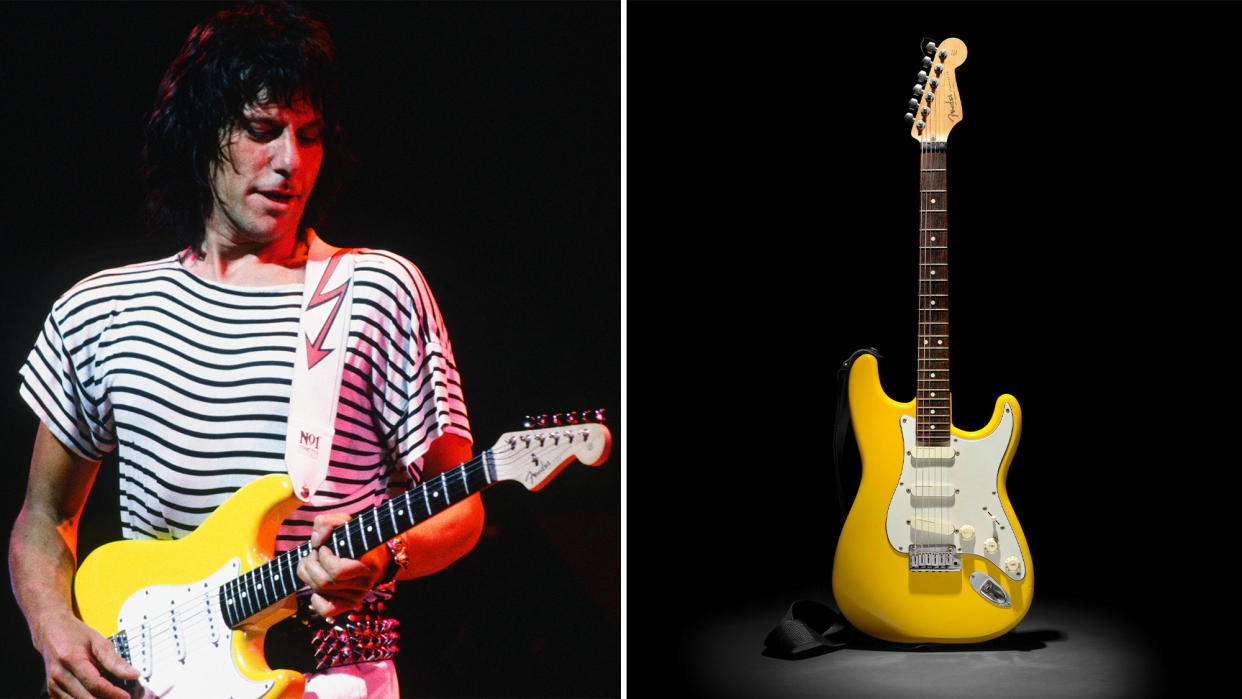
column 42, row 562
column 341, row 583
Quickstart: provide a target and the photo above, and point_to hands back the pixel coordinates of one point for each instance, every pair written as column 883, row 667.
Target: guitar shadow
column 1014, row 641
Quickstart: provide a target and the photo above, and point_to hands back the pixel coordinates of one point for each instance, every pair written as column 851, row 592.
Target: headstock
column 535, row 456
column 936, row 106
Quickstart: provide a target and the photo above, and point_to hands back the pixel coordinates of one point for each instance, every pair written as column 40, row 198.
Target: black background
column 771, row 206
column 488, row 139
column 1092, row 246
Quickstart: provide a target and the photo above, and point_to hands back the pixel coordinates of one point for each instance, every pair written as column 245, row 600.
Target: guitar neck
column 932, row 411
column 271, row 582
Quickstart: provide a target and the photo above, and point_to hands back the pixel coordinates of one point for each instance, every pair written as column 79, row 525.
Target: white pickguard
column 178, row 640
column 932, row 503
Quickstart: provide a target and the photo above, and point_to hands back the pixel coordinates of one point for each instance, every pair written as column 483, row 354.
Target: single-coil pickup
column 931, row 525
column 931, row 494
column 932, row 457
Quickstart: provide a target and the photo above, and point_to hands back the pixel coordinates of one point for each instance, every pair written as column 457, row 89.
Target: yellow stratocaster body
column 931, row 551
column 236, row 538
column 871, row 578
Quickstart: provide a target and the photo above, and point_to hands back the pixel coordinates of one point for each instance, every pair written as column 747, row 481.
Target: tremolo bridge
column 936, row 557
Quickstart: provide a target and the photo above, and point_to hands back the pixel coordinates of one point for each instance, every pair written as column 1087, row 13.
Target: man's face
column 269, row 168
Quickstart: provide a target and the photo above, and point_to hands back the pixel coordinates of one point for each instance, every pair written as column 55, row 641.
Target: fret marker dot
column 933, row 272
column 925, row 341
column 933, row 237
column 933, row 376
column 933, row 412
column 933, row 303
column 940, row 342
column 933, row 395
column 933, row 201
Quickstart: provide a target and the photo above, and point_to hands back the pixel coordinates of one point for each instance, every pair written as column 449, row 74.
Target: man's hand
column 338, row 584
column 76, row 657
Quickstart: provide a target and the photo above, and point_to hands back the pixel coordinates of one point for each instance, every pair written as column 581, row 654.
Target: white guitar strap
column 318, row 365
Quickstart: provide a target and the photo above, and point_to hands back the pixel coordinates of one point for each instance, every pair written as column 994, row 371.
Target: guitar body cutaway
column 872, row 578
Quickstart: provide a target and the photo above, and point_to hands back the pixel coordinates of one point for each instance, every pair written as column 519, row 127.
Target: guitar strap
column 810, row 627
column 320, row 359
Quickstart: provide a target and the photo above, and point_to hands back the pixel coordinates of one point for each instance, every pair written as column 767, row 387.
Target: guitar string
column 164, row 622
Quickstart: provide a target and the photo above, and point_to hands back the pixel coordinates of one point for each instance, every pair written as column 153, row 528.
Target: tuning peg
column 599, row 415
column 571, row 418
column 543, row 420
column 927, row 61
column 930, row 48
column 942, row 55
column 922, row 77
column 935, row 83
column 558, row 419
column 909, row 117
column 530, row 422
column 918, row 90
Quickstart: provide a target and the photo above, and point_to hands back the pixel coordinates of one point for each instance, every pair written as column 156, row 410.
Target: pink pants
column 377, row 680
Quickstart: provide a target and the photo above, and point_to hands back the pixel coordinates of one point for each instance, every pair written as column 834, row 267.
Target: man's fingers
column 324, row 570
column 84, row 681
column 323, row 525
column 111, row 661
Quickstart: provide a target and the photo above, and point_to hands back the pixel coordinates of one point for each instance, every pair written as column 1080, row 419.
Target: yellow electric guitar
column 191, row 614
column 931, row 550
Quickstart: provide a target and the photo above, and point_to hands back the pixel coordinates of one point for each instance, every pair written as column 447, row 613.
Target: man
column 182, row 365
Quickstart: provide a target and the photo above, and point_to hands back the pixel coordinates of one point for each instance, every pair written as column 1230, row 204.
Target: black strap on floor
column 810, row 627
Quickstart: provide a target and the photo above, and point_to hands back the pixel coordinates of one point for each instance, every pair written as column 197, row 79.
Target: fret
column 247, row 598
column 266, row 584
column 362, row 531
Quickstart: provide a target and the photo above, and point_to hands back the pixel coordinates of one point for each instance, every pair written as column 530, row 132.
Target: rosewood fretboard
column 932, row 416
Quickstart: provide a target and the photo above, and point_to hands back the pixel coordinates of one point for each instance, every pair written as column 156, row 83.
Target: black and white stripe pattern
column 188, row 380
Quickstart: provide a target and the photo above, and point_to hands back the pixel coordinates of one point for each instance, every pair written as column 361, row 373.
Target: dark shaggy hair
column 269, row 52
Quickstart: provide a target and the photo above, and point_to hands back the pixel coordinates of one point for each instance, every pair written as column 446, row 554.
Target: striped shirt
column 188, row 381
